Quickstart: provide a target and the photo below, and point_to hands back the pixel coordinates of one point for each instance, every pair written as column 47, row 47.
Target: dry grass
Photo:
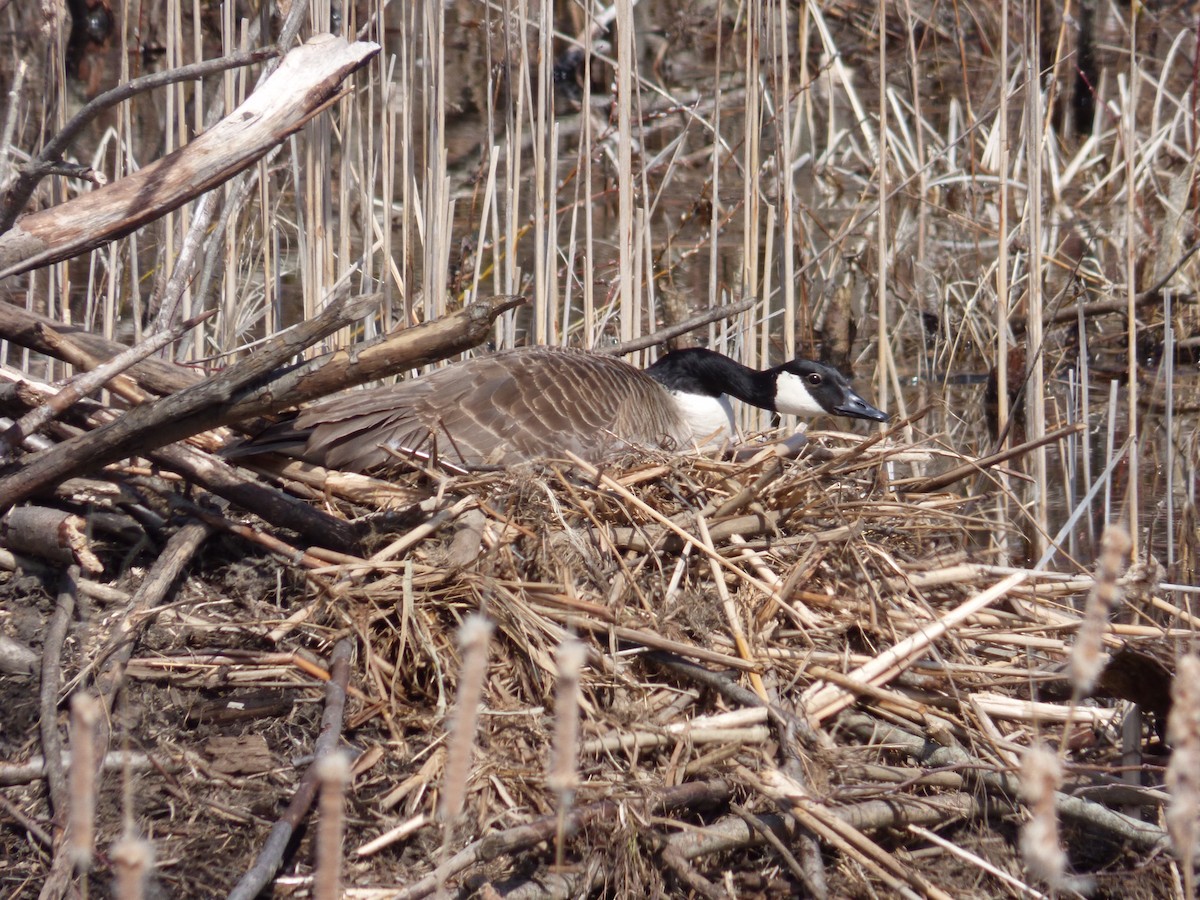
column 771, row 649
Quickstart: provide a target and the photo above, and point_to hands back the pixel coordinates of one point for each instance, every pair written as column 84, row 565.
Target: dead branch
column 56, row 635
column 87, row 382
column 977, row 466
column 812, row 877
column 42, row 334
column 173, row 418
column 308, row 80
column 270, row 505
column 49, row 161
column 697, row 321
column 159, row 581
column 1094, row 817
column 16, row 658
column 408, row 348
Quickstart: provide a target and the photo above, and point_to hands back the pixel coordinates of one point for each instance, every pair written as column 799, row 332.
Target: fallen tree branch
column 671, row 331
column 45, row 335
column 153, row 425
column 406, row 349
column 308, row 80
column 49, row 161
column 274, row 506
column 1093, row 817
column 56, row 635
column 87, row 382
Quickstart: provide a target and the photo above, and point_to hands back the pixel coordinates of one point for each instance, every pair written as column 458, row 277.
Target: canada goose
column 536, row 402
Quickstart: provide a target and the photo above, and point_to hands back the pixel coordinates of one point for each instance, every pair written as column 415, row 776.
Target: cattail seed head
column 1041, row 776
column 133, row 861
column 474, row 637
column 1183, row 772
column 1087, row 655
column 81, row 778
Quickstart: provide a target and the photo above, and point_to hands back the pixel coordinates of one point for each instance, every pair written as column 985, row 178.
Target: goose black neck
column 711, row 374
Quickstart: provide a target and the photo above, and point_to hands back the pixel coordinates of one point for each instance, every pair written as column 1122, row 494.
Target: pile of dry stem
column 789, row 677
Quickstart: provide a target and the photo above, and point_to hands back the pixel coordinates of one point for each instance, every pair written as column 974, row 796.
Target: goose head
column 800, row 387
column 806, row 388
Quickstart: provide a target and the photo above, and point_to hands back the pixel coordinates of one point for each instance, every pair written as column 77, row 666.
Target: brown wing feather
column 497, row 410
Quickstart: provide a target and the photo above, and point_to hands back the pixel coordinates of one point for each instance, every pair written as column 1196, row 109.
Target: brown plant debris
column 788, row 674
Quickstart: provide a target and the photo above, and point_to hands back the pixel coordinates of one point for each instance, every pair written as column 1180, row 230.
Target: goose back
column 497, row 410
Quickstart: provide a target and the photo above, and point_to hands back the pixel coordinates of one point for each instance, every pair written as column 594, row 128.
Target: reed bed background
column 986, row 212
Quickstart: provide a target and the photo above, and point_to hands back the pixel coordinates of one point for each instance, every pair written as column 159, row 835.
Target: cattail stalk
column 133, row 860
column 1183, row 772
column 1087, row 656
column 334, row 774
column 474, row 637
column 85, row 713
column 564, row 769
column 1041, row 776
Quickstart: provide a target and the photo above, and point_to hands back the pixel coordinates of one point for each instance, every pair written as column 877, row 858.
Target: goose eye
column 815, row 379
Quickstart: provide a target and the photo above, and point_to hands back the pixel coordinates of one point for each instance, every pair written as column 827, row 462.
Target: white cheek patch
column 792, row 396
column 710, row 418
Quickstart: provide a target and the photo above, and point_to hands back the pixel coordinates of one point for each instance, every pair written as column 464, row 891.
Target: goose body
column 538, row 402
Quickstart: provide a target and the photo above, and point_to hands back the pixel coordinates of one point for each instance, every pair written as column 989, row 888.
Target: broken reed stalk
column 626, row 66
column 56, row 634
column 822, row 701
column 732, row 615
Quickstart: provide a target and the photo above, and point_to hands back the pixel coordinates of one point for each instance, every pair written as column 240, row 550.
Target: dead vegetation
column 937, row 661
column 788, row 679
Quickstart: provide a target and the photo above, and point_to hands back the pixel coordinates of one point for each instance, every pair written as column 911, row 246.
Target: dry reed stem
column 732, row 614
column 977, row 861
column 822, row 702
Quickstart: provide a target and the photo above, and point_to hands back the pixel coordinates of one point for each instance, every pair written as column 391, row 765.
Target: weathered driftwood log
column 308, row 80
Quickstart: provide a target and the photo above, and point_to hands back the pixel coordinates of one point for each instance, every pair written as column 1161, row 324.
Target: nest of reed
column 673, row 675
